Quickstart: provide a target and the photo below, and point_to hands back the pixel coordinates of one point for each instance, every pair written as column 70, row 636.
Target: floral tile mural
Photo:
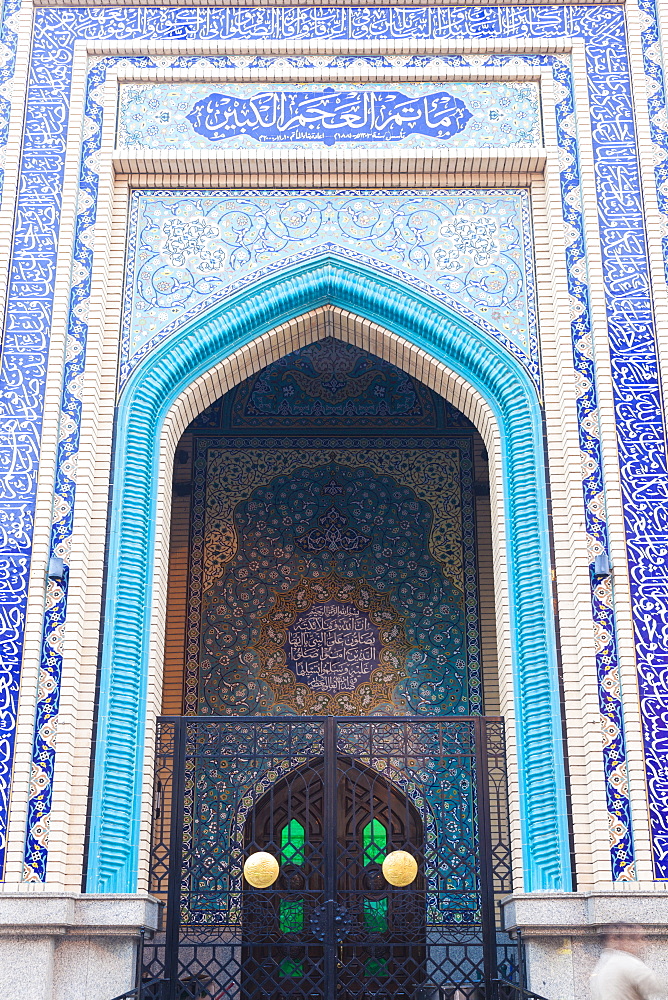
column 332, row 574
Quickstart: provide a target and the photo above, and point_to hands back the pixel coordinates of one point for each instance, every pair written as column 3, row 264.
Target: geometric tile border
column 651, row 586
column 16, row 519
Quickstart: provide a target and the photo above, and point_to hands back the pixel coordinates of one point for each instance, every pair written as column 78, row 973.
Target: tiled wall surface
column 591, row 131
column 324, row 430
column 246, row 116
column 471, row 249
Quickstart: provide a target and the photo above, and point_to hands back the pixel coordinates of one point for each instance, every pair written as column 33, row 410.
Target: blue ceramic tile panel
column 20, row 410
column 316, row 500
column 655, row 587
column 620, row 849
column 469, row 249
column 641, row 431
column 332, row 384
column 320, row 115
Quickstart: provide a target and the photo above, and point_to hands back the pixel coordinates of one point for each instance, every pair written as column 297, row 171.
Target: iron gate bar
column 331, row 943
column 488, row 911
column 501, row 990
column 175, row 955
column 173, row 916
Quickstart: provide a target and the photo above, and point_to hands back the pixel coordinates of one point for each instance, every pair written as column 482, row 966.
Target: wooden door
column 333, row 927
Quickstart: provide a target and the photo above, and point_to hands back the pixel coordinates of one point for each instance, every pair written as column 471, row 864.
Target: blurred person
column 620, row 973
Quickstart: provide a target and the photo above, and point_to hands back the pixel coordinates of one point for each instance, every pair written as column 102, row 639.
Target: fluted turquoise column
column 157, row 383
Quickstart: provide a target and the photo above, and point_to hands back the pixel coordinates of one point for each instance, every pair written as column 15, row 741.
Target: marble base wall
column 563, row 935
column 69, row 946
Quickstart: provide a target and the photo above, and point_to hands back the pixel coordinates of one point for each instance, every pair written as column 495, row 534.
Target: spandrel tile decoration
column 468, row 248
column 333, row 474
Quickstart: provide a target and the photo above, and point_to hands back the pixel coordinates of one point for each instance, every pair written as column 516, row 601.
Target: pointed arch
column 184, row 375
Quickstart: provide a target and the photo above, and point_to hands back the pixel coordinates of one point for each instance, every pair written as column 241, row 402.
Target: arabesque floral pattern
column 257, row 507
column 471, row 249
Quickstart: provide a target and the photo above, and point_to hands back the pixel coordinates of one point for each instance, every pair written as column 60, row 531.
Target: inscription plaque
column 332, row 647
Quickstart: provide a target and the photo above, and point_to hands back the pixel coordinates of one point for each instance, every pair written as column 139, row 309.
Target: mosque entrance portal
column 330, row 857
column 330, row 697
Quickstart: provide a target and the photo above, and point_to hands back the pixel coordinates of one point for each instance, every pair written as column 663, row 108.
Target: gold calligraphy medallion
column 400, row 868
column 261, row 870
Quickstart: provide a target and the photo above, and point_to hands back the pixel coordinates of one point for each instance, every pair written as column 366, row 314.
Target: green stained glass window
column 376, row 967
column 291, row 915
column 293, row 838
column 289, row 969
column 375, row 915
column 374, row 841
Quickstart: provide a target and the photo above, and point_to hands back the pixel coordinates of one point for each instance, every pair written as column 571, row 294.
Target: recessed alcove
column 328, row 511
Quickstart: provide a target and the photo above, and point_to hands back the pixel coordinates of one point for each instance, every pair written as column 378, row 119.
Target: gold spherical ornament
column 261, row 870
column 400, row 868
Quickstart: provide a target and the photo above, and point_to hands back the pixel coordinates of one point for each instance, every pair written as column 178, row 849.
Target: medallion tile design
column 633, row 337
column 332, row 647
column 199, row 116
column 287, row 528
column 470, row 249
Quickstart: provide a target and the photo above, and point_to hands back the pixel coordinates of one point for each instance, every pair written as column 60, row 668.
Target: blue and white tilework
column 307, row 116
column 650, row 582
column 629, row 310
column 8, row 42
column 19, row 408
column 470, row 249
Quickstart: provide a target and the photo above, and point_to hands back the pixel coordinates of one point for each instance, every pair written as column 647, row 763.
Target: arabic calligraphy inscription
column 332, row 647
column 187, row 116
column 329, row 117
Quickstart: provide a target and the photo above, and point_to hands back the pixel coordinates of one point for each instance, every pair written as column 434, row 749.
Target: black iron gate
column 329, row 799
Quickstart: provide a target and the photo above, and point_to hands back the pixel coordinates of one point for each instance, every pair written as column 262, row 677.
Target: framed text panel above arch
column 229, row 115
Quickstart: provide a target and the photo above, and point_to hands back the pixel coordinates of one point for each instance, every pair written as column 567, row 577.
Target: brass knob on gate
column 261, row 870
column 400, row 868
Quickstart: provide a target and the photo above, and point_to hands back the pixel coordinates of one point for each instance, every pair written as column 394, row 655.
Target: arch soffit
column 316, row 324
column 203, row 360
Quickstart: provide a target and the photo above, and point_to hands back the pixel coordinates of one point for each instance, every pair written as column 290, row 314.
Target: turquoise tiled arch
column 157, row 383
